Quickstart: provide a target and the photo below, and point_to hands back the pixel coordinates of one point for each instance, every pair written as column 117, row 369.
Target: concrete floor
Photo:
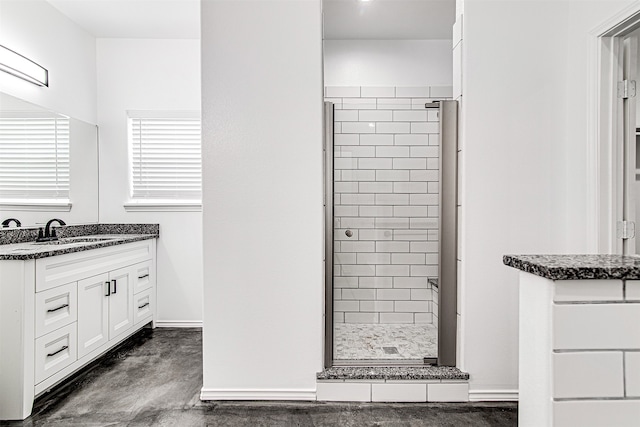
column 155, row 378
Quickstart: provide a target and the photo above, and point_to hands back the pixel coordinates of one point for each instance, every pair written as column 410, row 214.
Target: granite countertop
column 19, row 244
column 577, row 267
column 393, row 373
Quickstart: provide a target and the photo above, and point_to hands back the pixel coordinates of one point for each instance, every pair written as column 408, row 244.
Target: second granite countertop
column 577, row 267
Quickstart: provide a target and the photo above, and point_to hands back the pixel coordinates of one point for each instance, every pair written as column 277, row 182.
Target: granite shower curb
column 397, row 373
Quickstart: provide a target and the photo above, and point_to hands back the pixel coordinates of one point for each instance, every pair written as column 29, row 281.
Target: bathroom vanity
column 579, row 340
column 65, row 303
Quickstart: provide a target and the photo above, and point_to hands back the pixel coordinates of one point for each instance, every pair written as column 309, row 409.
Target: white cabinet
column 120, row 301
column 55, row 351
column 58, row 314
column 106, row 307
column 143, row 276
column 93, row 313
column 142, row 305
column 56, row 308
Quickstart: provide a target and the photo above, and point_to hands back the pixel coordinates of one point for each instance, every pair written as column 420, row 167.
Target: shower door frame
column 447, row 254
column 328, row 232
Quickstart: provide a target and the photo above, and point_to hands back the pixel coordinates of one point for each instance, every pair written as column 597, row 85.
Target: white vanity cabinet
column 59, row 313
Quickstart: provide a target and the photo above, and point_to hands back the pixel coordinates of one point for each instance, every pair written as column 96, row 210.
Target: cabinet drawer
column 57, row 270
column 143, row 276
column 56, row 308
column 142, row 306
column 55, row 351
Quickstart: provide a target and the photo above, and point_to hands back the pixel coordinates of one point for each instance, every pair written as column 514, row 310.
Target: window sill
column 36, row 205
column 153, row 206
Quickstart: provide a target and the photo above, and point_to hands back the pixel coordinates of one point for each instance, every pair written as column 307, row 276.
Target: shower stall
column 390, row 229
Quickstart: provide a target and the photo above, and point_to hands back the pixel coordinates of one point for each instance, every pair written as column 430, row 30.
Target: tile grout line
column 624, row 375
column 592, row 350
column 595, row 399
column 594, row 302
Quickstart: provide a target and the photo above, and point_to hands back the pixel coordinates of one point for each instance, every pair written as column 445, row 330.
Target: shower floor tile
column 359, row 341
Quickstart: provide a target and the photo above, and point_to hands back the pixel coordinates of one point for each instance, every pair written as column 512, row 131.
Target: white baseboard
column 493, row 395
column 178, row 323
column 257, row 394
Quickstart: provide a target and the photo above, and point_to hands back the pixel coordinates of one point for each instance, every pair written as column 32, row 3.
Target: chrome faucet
column 49, row 233
column 6, row 222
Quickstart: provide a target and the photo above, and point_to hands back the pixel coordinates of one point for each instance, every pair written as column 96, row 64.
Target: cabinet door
column 93, row 313
column 121, row 301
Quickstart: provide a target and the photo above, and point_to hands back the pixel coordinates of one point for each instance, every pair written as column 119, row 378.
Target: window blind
column 165, row 159
column 34, row 158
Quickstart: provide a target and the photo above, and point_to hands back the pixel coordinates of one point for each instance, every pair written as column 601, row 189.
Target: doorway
column 386, row 67
column 391, row 198
column 616, row 198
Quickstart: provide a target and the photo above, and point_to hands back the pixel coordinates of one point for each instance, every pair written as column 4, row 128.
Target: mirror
column 82, row 207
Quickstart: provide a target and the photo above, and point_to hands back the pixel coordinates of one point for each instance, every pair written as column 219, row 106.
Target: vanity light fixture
column 13, row 63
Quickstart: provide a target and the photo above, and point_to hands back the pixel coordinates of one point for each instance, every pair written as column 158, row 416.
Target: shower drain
column 390, row 350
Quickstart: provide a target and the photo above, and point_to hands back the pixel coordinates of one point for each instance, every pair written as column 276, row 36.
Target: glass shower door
column 385, row 230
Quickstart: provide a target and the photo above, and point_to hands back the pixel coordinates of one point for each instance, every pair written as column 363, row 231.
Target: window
column 34, row 160
column 165, row 161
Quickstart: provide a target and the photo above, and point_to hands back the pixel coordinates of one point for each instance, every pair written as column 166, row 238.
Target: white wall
column 140, row 74
column 524, row 90
column 38, row 31
column 263, row 227
column 387, row 63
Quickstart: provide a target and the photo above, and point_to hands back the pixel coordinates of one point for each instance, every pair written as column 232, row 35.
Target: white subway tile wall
column 605, row 375
column 393, row 391
column 386, row 160
column 596, row 353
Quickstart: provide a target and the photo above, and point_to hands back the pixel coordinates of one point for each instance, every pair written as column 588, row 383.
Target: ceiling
column 388, row 19
column 343, row 19
column 153, row 19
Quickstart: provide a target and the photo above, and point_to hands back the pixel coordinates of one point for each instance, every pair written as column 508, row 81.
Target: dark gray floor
column 155, row 378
